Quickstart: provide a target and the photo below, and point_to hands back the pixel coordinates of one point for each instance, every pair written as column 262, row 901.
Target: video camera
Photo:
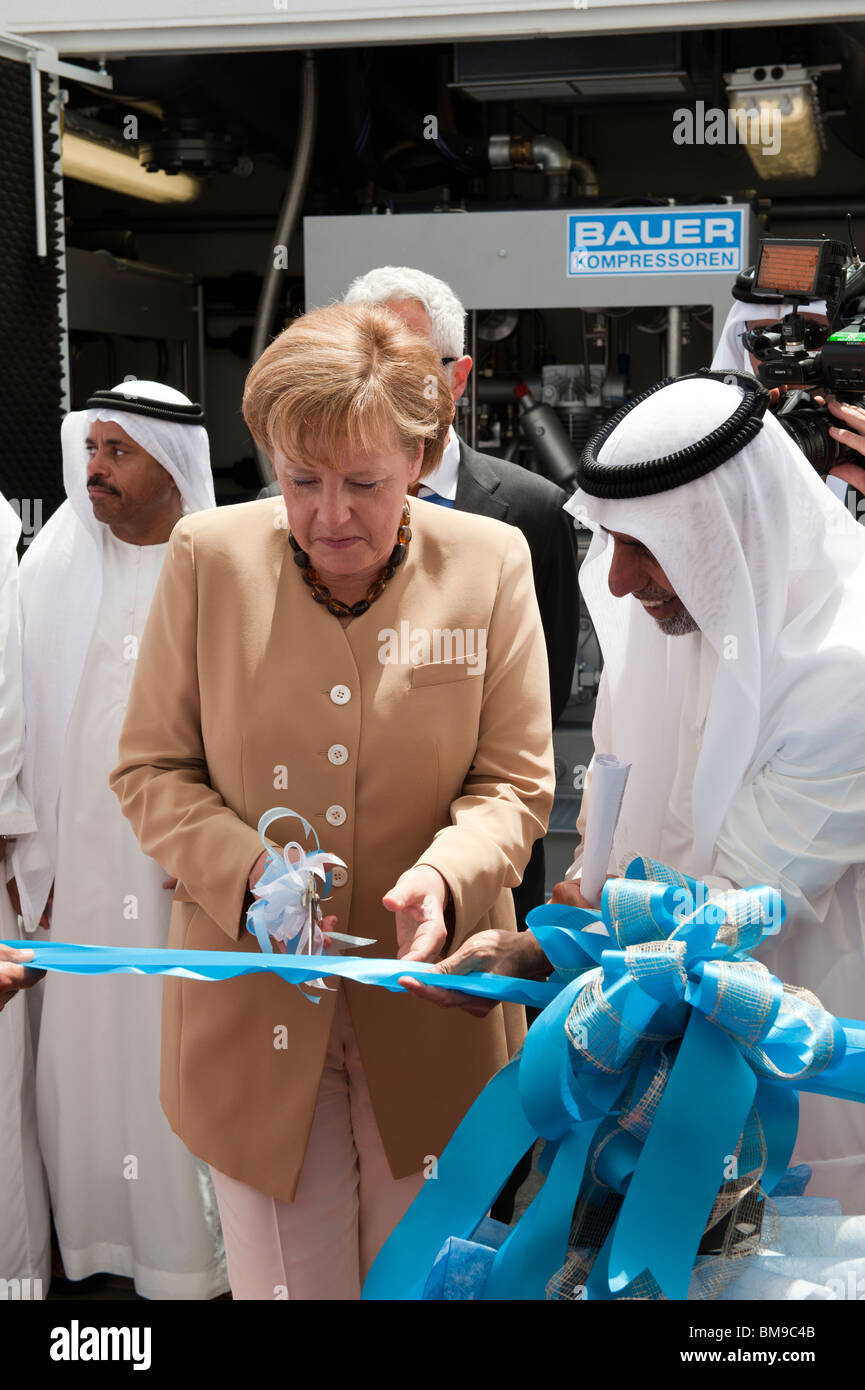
column 799, row 355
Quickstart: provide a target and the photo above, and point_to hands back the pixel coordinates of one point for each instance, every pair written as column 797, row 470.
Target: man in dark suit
column 493, row 487
column 475, row 482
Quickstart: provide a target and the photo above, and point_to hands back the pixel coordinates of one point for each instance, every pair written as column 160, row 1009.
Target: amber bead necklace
column 321, row 593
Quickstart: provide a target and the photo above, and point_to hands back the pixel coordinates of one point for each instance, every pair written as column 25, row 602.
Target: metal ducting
column 591, row 69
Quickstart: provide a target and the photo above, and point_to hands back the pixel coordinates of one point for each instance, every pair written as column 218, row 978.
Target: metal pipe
column 499, row 389
column 513, row 449
column 546, row 153
column 587, row 173
column 546, row 434
column 674, row 340
column 552, row 156
column 587, row 371
column 802, row 211
column 286, row 224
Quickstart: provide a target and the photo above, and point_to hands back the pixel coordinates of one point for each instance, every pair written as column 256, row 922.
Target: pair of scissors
column 311, row 900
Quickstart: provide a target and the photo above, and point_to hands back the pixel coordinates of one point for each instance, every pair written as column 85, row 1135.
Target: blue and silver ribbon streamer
column 643, row 1073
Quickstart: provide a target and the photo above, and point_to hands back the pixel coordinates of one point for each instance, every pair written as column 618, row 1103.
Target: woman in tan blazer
column 397, row 697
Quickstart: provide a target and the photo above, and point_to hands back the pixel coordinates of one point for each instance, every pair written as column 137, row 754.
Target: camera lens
column 809, row 429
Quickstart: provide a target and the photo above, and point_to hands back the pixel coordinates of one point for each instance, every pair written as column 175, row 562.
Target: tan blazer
column 248, row 695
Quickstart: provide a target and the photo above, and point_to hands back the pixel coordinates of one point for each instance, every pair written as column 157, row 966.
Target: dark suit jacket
column 492, row 487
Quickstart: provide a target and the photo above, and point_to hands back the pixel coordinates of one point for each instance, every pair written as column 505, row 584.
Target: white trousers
column 321, row 1245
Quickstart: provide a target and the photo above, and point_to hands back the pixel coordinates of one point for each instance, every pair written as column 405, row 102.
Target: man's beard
column 679, row 625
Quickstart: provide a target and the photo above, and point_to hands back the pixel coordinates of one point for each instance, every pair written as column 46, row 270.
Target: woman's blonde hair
column 349, row 377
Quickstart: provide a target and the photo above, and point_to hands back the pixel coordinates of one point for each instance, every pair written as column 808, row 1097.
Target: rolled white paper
column 609, row 777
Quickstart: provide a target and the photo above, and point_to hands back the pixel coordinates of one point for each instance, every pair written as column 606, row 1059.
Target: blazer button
column 338, row 753
column 340, row 876
column 340, row 694
column 335, row 815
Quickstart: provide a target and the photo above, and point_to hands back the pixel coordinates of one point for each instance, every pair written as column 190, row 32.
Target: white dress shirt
column 443, row 478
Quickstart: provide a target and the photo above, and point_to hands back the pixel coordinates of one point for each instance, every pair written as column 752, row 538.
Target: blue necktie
column 437, row 498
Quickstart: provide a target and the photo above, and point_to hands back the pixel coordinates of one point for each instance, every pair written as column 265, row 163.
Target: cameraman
column 731, row 354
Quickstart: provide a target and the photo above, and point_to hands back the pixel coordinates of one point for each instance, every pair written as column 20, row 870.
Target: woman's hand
column 14, row 975
column 493, row 951
column 259, row 866
column 418, row 898
column 257, row 869
column 326, row 924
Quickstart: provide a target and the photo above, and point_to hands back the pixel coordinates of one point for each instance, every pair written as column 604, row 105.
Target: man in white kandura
column 24, row 1224
column 128, row 1197
column 727, row 590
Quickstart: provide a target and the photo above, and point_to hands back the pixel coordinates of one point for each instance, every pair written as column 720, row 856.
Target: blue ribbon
column 74, row 959
column 297, row 969
column 666, row 1003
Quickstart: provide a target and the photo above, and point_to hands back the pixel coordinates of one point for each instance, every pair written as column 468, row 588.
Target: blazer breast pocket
column 443, row 672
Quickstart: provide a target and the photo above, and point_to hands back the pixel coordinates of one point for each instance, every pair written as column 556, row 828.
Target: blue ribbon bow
column 643, row 1074
column 279, row 868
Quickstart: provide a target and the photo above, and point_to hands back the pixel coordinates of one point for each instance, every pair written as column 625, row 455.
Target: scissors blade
column 314, row 911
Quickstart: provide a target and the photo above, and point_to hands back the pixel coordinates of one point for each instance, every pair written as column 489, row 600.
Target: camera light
column 777, row 115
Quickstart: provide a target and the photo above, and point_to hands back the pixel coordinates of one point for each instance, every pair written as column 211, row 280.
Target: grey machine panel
column 506, row 260
column 110, row 295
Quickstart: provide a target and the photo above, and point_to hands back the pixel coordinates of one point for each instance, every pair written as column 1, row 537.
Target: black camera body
column 799, row 355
